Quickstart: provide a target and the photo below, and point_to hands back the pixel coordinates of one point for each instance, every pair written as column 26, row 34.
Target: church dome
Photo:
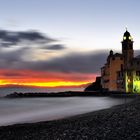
column 127, row 36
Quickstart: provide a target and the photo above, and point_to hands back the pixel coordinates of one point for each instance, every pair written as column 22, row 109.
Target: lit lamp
column 124, row 37
column 128, row 80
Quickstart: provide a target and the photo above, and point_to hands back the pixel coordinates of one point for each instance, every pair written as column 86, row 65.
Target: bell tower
column 127, row 49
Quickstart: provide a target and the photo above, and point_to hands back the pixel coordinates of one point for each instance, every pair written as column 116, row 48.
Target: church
column 121, row 71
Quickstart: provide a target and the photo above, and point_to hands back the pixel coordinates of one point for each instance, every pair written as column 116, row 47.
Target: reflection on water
column 41, row 109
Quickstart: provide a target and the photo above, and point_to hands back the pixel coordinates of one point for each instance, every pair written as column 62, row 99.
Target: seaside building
column 121, row 71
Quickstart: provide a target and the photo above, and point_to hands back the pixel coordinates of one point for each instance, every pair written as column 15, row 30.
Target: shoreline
column 117, row 123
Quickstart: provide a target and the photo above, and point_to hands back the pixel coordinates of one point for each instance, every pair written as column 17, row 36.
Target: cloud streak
column 10, row 38
column 74, row 62
column 54, row 47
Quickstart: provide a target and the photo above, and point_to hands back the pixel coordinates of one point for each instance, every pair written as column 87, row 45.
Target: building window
column 124, row 47
column 113, row 58
column 106, row 81
column 121, row 67
column 119, row 73
column 130, row 47
column 129, row 73
column 137, row 73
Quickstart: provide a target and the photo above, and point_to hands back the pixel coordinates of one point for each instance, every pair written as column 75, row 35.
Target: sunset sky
column 54, row 43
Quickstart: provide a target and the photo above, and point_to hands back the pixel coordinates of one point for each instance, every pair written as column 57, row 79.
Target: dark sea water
column 27, row 110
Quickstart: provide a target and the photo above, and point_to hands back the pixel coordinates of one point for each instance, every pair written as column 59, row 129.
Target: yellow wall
column 109, row 73
column 115, row 65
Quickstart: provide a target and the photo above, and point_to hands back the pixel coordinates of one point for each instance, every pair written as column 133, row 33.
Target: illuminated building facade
column 122, row 71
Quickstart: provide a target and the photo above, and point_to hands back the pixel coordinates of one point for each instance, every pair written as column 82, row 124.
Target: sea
column 30, row 110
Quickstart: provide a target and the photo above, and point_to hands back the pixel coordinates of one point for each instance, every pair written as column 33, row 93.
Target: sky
column 56, row 43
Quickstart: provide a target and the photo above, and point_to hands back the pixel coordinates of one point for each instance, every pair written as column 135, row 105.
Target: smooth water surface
column 27, row 110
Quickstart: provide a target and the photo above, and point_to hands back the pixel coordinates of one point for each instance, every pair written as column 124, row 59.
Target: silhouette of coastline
column 57, row 94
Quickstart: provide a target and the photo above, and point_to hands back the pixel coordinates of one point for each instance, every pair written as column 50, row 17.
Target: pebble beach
column 120, row 122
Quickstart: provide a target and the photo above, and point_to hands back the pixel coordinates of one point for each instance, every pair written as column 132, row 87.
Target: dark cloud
column 11, row 59
column 9, row 38
column 15, row 55
column 90, row 62
column 32, row 35
column 54, row 47
column 74, row 62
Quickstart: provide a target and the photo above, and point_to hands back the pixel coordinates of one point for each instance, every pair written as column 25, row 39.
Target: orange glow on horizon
column 55, row 84
column 44, row 79
column 46, row 84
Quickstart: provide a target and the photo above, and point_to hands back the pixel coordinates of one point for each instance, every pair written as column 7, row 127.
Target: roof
column 127, row 33
column 118, row 55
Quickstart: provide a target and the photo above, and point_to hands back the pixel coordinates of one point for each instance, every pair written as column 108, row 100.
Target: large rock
column 95, row 86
